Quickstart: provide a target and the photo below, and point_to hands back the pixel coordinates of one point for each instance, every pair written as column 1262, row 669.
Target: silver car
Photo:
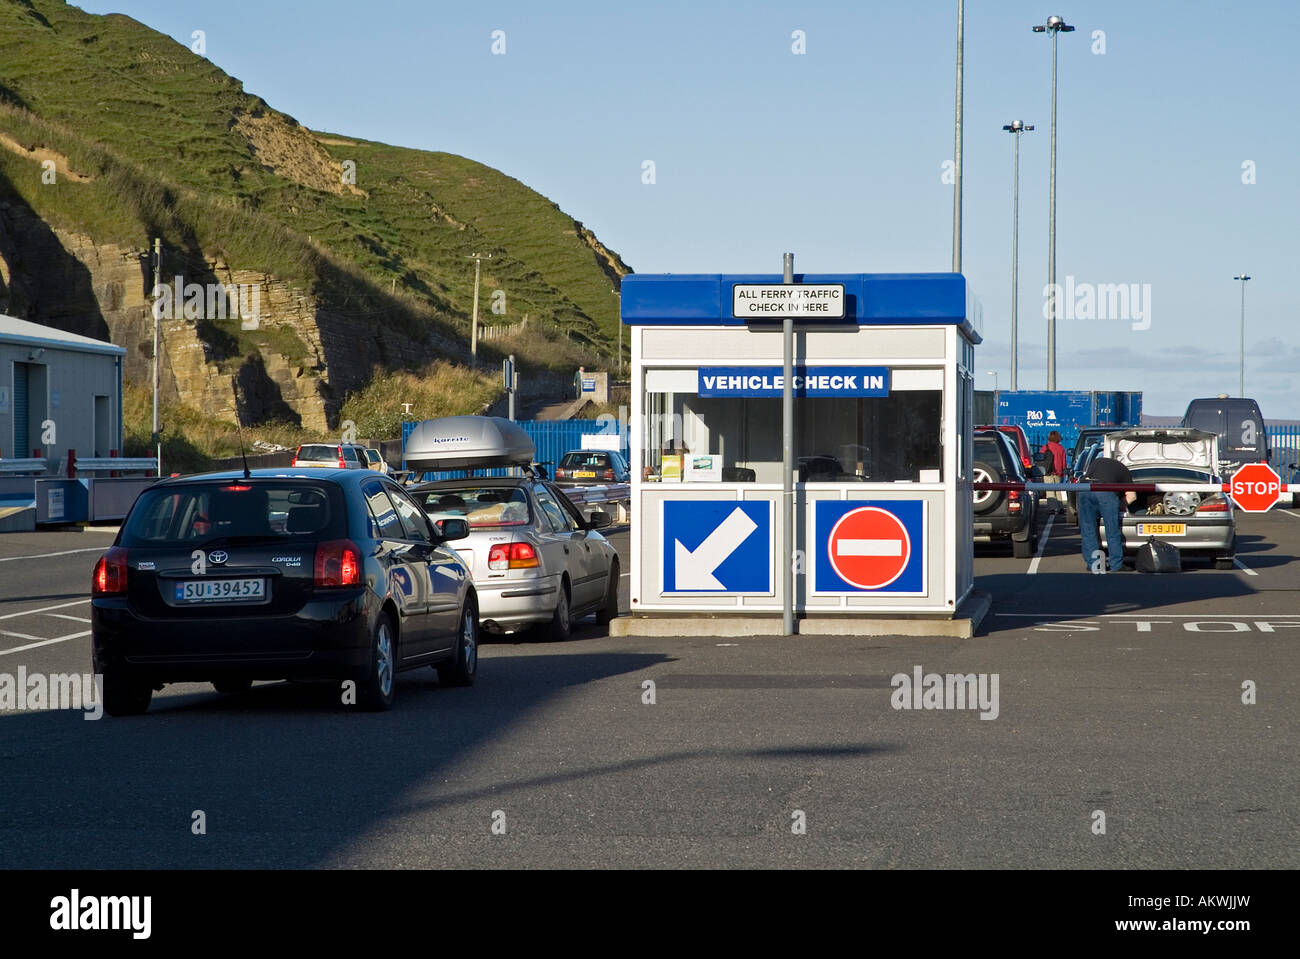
column 537, row 563
column 1192, row 522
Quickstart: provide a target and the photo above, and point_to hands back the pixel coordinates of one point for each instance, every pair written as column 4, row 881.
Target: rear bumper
column 988, row 527
column 507, row 607
column 1213, row 536
column 327, row 639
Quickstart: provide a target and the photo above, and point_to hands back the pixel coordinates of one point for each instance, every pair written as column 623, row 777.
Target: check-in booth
column 884, row 393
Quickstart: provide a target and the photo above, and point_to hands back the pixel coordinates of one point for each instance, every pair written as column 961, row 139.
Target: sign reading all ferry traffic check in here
column 776, row 301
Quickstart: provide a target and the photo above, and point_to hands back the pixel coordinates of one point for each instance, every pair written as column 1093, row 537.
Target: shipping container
column 1039, row 412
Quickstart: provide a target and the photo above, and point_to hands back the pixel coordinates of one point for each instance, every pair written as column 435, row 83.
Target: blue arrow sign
column 716, row 546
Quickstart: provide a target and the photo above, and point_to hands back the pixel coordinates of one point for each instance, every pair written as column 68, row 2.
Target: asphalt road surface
column 1119, row 696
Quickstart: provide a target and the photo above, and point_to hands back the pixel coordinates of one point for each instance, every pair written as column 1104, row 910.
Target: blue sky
column 837, row 154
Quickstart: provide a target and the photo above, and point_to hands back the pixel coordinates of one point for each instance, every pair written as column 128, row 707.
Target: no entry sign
column 870, row 546
column 1255, row 487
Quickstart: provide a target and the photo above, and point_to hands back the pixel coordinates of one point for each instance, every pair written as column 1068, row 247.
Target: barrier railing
column 115, row 464
column 18, row 467
column 619, row 494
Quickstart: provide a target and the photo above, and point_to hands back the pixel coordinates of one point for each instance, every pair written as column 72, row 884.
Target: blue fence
column 553, row 438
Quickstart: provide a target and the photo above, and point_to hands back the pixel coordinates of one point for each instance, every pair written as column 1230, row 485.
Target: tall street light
column 956, row 194
column 1053, row 26
column 1241, row 383
column 473, row 330
column 994, row 374
column 1018, row 128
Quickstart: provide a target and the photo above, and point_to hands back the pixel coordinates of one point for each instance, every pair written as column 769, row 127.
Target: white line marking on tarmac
column 75, row 619
column 1042, row 544
column 66, row 552
column 1153, row 615
column 44, row 642
column 5, row 632
column 45, row 609
column 1240, row 565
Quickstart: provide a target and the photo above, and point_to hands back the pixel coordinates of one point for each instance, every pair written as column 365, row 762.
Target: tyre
column 378, row 687
column 610, row 609
column 124, row 695
column 561, row 624
column 1022, row 550
column 232, row 687
column 462, row 669
column 987, row 500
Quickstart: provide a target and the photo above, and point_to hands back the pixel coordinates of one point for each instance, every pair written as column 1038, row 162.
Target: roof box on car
column 468, row 442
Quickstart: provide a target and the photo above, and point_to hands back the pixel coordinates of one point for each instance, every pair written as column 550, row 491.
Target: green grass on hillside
column 153, row 125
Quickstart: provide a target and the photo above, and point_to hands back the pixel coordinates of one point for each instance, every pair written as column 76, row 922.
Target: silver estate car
column 537, row 564
column 1192, row 522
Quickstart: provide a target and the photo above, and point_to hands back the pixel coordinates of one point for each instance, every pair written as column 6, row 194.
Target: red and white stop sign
column 1255, row 487
column 869, row 547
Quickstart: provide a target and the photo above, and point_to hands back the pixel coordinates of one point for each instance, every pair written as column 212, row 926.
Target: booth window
column 884, row 439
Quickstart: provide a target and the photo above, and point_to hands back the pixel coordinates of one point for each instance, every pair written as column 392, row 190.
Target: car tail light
column 342, row 465
column 609, row 474
column 1214, row 504
column 1013, row 501
column 512, row 556
column 235, row 489
column 338, row 563
column 109, row 578
column 294, row 461
column 559, row 473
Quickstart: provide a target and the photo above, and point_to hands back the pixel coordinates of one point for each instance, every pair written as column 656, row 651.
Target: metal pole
column 787, row 462
column 1241, row 380
column 1051, row 242
column 157, row 280
column 473, row 335
column 1015, row 263
column 956, row 196
column 510, row 388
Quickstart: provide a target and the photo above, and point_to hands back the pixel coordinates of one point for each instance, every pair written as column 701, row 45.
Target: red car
column 1021, row 440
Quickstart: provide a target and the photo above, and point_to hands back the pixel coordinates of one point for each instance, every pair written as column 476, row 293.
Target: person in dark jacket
column 1107, row 506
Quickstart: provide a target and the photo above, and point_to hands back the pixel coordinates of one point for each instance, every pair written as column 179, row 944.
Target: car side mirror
column 449, row 529
column 598, row 519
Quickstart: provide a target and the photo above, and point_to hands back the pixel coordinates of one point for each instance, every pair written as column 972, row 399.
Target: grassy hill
column 150, row 139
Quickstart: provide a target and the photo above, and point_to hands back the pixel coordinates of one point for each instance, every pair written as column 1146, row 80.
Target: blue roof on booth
column 871, row 299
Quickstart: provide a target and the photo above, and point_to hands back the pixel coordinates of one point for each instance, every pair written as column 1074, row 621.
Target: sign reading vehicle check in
column 808, row 381
column 776, row 301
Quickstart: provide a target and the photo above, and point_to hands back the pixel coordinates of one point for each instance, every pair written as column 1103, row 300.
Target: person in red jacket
column 1054, row 449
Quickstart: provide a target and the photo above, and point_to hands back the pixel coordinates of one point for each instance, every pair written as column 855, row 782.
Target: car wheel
column 124, row 695
column 464, row 667
column 232, row 687
column 610, row 610
column 1022, row 550
column 561, row 624
column 378, row 688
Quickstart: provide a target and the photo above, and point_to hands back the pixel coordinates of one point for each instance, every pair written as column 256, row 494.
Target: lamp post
column 473, row 331
column 618, row 316
column 1241, row 382
column 1018, row 128
column 1053, row 26
column 956, row 195
column 994, row 374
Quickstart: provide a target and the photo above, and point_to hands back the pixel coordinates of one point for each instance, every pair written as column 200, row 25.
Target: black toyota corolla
column 233, row 577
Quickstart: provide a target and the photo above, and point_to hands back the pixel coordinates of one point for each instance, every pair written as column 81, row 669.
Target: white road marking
column 1292, row 515
column 66, row 552
column 1238, row 563
column 5, row 632
column 1153, row 615
column 75, row 619
column 44, row 609
column 44, row 642
column 1042, row 545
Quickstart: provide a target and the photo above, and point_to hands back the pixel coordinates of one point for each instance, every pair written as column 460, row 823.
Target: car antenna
column 239, row 431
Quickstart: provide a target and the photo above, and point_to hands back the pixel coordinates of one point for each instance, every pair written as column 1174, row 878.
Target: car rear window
column 989, row 452
column 318, row 453
column 481, row 506
column 201, row 514
column 580, row 460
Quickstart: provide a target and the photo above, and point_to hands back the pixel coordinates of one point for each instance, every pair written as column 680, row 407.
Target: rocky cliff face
column 296, row 365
